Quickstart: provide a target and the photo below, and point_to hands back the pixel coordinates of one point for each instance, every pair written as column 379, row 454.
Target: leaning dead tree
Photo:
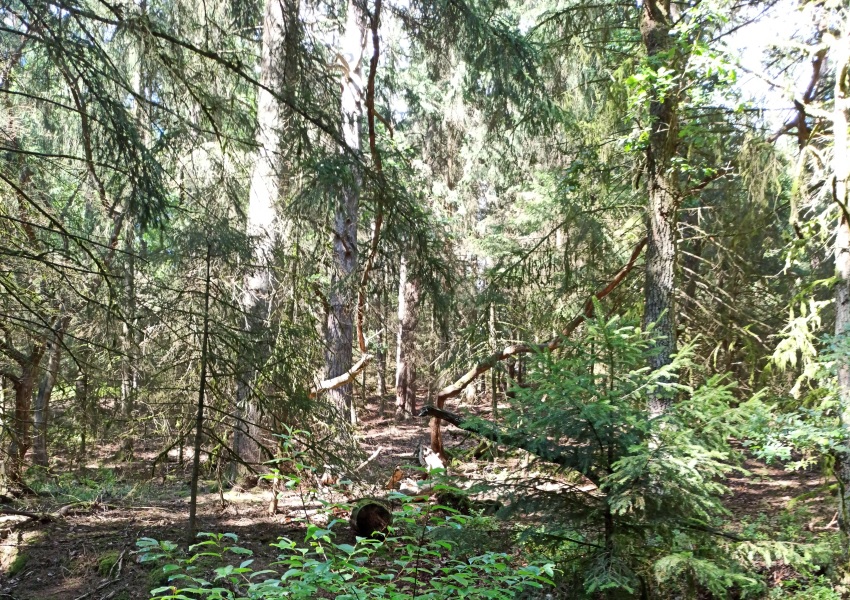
column 564, row 456
column 513, row 350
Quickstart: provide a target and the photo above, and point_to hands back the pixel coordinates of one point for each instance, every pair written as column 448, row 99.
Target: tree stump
column 370, row 517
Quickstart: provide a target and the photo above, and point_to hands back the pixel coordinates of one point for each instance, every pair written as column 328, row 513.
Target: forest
column 424, row 299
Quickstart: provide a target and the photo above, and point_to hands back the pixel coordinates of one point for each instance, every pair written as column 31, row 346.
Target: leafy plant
column 411, row 562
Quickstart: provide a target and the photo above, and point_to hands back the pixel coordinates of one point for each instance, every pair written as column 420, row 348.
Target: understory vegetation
column 424, row 299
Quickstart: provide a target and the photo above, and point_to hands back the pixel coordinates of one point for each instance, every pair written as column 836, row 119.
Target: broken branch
column 347, row 377
column 491, row 361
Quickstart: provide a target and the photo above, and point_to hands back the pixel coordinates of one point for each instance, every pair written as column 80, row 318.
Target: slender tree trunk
column 199, row 416
column 405, row 373
column 494, row 373
column 280, row 37
column 129, row 357
column 381, row 353
column 41, row 407
column 841, row 171
column 340, row 321
column 663, row 202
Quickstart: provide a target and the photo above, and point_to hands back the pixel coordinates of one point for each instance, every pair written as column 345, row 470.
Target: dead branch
column 41, row 517
column 347, row 377
column 564, row 456
column 372, row 457
column 491, row 361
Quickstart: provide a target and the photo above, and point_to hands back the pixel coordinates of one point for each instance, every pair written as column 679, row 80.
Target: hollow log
column 370, row 517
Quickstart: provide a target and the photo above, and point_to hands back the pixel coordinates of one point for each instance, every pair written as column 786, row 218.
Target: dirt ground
column 89, row 553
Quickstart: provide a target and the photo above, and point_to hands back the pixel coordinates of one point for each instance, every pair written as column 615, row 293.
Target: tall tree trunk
column 129, row 346
column 405, row 371
column 663, row 201
column 494, row 373
column 41, row 407
column 841, row 171
column 340, row 320
column 280, row 38
column 381, row 353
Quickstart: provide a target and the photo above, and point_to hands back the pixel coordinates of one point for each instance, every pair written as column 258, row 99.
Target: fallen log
column 491, row 361
column 564, row 456
column 370, row 516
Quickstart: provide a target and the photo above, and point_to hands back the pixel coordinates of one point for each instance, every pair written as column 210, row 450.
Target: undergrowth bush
column 410, row 563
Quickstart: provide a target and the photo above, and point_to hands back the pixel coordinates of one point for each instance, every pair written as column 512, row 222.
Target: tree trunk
column 340, row 323
column 494, row 373
column 129, row 357
column 381, row 354
column 405, row 372
column 41, row 407
column 199, row 415
column 280, row 35
column 663, row 202
column 841, row 171
column 20, row 429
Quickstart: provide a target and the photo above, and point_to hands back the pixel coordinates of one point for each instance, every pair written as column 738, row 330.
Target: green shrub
column 409, row 563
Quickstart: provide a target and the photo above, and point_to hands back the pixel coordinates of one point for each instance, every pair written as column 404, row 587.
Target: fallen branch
column 42, row 517
column 372, row 457
column 491, row 361
column 347, row 377
column 564, row 456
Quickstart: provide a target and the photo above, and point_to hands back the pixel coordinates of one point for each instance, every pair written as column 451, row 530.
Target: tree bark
column 405, row 373
column 280, row 38
column 129, row 357
column 41, row 407
column 340, row 322
column 841, row 172
column 663, row 201
column 199, row 415
column 20, row 429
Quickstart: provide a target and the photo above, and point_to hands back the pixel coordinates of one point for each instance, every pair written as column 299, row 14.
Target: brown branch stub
column 339, row 380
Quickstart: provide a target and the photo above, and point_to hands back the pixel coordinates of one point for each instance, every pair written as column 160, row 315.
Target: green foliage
column 106, row 562
column 655, row 518
column 413, row 561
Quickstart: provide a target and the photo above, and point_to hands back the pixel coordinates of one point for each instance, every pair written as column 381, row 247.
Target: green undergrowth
column 417, row 558
column 88, row 485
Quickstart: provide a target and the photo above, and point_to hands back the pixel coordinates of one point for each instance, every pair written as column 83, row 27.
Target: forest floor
column 88, row 553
